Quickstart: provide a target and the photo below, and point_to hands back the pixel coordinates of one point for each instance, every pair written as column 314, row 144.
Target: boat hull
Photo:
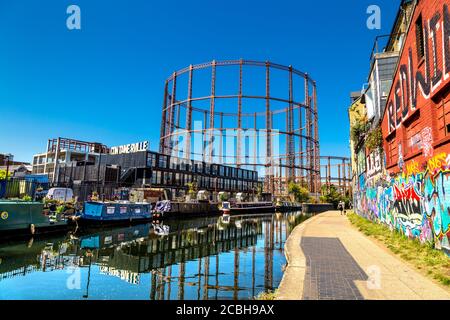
column 19, row 218
column 114, row 213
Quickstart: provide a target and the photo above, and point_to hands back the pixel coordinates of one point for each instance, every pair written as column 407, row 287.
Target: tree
column 192, row 189
column 3, row 175
column 300, row 194
column 331, row 195
column 223, row 197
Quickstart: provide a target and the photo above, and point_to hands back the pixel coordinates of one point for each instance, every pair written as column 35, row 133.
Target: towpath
column 329, row 259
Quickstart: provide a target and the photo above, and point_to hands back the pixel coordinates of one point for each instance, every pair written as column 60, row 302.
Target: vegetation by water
column 269, row 295
column 299, row 192
column 435, row 263
column 330, row 194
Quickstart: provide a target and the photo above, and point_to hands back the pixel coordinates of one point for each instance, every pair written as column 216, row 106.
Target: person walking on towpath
column 341, row 207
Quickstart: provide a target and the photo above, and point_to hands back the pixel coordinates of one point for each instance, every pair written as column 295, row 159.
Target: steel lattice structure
column 337, row 171
column 258, row 115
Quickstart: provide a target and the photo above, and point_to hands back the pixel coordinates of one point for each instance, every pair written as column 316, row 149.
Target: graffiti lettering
column 427, row 141
column 437, row 162
column 405, row 194
column 412, row 168
column 401, row 162
column 404, row 94
column 374, row 164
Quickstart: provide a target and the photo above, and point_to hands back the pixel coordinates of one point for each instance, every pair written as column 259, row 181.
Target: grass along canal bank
column 433, row 263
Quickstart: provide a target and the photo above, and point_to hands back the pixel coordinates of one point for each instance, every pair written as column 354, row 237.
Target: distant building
column 355, row 96
column 152, row 169
column 18, row 170
column 89, row 166
column 7, row 159
column 63, row 151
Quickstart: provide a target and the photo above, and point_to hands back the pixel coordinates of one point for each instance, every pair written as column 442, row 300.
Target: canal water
column 198, row 259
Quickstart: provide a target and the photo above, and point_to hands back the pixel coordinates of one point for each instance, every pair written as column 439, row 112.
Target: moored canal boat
column 114, row 212
column 225, row 208
column 252, row 207
column 287, row 206
column 24, row 218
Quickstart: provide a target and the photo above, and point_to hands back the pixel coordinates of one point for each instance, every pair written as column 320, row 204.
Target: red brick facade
column 416, row 122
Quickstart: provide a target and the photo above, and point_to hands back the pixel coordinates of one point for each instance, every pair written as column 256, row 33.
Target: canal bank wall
column 317, row 207
column 199, row 209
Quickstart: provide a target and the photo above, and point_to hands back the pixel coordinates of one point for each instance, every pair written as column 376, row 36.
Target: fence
column 105, row 191
column 18, row 188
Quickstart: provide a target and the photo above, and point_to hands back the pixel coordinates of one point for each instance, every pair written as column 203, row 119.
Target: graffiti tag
column 412, row 168
column 437, row 163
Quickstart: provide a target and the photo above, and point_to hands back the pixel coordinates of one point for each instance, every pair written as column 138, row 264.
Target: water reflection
column 207, row 258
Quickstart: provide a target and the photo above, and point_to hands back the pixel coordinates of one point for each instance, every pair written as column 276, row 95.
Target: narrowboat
column 286, row 206
column 161, row 208
column 112, row 237
column 114, row 212
column 251, row 207
column 23, row 218
column 225, row 208
column 180, row 210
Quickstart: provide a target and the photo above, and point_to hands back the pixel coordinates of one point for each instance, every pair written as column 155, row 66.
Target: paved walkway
column 330, row 259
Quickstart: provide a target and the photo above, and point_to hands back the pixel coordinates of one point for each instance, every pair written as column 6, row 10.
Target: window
column 420, row 38
column 392, row 151
column 413, row 136
column 174, row 163
column 156, row 177
column 162, row 161
column 151, row 160
column 442, row 114
column 167, row 178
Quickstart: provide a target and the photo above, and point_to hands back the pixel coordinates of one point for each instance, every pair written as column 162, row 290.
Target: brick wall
column 412, row 192
column 416, row 121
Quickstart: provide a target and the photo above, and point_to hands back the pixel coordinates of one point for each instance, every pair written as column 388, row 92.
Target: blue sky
column 105, row 82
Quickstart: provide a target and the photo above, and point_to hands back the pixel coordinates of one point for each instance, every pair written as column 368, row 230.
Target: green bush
column 27, row 198
column 3, row 175
column 374, row 139
column 331, row 195
column 301, row 194
column 358, row 129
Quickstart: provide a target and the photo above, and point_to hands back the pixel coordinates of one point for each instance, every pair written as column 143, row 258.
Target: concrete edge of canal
column 291, row 285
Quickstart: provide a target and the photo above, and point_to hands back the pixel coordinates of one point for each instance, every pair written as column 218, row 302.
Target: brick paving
column 330, row 270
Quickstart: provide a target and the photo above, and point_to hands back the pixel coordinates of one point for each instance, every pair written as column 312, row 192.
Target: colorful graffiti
column 413, row 202
column 412, row 168
column 427, row 142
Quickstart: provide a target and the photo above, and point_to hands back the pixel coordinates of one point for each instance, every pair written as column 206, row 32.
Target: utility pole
column 7, row 167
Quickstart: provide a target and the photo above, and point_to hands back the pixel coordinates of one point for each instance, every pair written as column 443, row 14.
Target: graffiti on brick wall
column 423, row 140
column 400, row 161
column 427, row 142
column 416, row 202
column 373, row 164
